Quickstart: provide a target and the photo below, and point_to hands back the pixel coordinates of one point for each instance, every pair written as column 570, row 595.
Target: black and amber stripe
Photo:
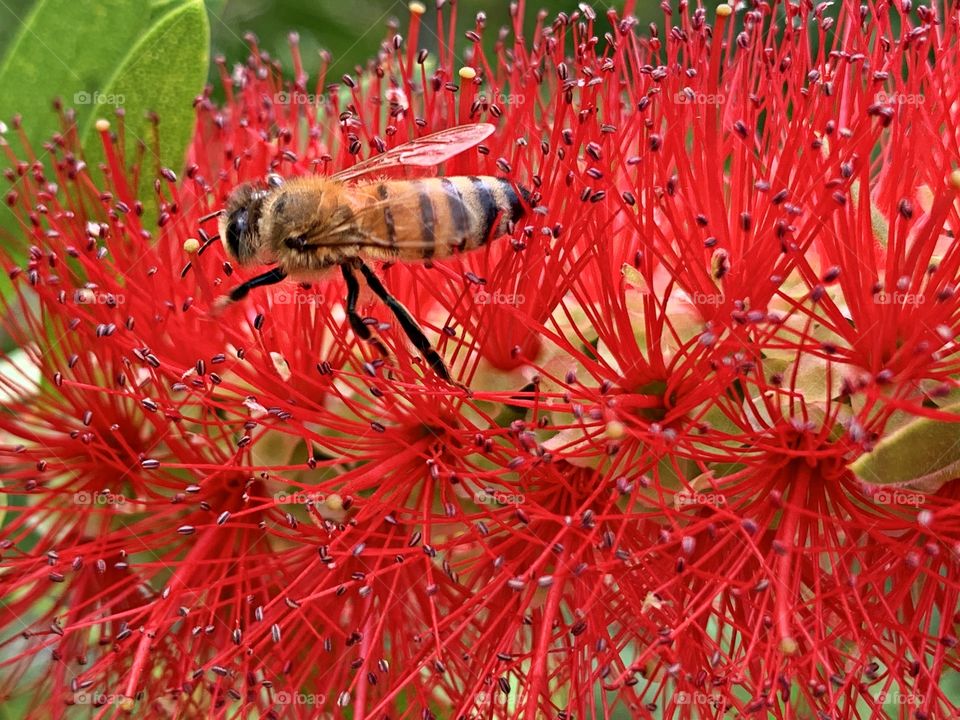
column 459, row 217
column 435, row 217
column 391, row 234
column 428, row 218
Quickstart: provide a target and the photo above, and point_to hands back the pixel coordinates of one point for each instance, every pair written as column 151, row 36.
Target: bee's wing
column 328, row 237
column 427, row 151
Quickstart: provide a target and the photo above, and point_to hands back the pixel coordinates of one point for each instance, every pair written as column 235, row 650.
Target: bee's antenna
column 210, row 216
column 207, row 243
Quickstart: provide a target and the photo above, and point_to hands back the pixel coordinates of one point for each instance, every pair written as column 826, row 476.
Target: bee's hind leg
column 360, row 328
column 410, row 326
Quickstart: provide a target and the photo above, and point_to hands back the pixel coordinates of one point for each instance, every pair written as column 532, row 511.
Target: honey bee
column 304, row 226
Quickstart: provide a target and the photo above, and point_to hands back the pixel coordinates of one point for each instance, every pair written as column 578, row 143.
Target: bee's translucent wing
column 427, row 151
column 329, row 236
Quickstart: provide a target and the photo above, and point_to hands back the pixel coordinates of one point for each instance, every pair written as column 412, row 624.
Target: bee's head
column 240, row 224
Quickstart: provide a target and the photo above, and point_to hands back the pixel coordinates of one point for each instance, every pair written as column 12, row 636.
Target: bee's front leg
column 271, row 277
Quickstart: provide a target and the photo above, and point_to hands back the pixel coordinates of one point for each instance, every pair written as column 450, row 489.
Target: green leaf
column 65, row 49
column 159, row 8
column 11, row 11
column 162, row 73
column 216, row 7
column 924, row 453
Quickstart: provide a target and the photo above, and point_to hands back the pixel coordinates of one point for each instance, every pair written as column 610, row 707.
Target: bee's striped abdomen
column 468, row 211
column 435, row 217
column 494, row 204
column 428, row 217
column 388, row 222
column 459, row 215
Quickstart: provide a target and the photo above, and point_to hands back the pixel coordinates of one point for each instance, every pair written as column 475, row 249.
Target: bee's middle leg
column 360, row 328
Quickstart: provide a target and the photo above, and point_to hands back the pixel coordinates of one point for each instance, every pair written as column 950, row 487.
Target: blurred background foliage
column 351, row 31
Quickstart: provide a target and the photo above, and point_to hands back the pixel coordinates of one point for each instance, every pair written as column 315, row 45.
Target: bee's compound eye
column 236, row 226
column 274, row 180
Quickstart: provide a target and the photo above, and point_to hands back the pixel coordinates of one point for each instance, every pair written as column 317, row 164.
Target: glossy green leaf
column 924, row 453
column 12, row 13
column 162, row 73
column 65, row 49
column 159, row 8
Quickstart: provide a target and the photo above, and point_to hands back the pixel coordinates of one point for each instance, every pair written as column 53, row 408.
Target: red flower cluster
column 739, row 276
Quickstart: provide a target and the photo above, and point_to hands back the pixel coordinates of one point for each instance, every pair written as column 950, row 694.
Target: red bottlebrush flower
column 673, row 489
